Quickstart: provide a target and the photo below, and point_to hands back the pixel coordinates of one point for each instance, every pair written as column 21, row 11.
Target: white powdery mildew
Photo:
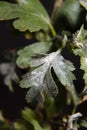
column 48, row 60
column 37, row 78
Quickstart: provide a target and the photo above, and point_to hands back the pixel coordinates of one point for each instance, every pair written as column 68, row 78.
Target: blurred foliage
column 69, row 9
column 8, row 69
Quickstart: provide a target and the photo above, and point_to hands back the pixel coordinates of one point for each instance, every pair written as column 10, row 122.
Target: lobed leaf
column 63, row 70
column 28, row 16
column 41, row 78
column 34, row 78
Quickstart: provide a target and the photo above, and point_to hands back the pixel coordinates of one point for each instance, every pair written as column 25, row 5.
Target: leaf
column 28, row 16
column 50, row 86
column 83, row 3
column 63, row 70
column 71, row 10
column 41, row 78
column 84, row 67
column 26, row 53
column 80, row 42
column 30, row 116
column 84, row 122
column 8, row 70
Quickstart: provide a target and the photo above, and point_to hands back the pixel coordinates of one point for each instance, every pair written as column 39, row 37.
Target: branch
column 71, row 119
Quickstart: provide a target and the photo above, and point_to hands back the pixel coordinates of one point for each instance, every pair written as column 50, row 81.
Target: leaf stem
column 52, row 30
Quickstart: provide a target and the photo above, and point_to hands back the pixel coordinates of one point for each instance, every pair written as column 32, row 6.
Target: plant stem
column 52, row 30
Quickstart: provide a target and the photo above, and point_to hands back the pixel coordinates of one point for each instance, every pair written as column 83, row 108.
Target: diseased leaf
column 28, row 16
column 80, row 42
column 34, row 80
column 50, row 85
column 30, row 51
column 63, row 70
column 35, row 77
column 41, row 78
column 35, row 94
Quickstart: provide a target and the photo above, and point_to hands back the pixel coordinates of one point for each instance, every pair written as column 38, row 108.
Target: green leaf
column 84, row 67
column 80, row 42
column 71, row 10
column 83, row 3
column 26, row 53
column 30, row 116
column 28, row 16
column 41, row 78
column 84, row 123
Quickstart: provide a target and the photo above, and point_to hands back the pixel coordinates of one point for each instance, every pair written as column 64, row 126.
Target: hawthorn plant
column 49, row 73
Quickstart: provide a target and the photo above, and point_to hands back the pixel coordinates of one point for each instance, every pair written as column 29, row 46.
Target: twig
column 71, row 119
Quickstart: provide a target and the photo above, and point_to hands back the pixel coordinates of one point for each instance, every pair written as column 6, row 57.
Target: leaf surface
column 84, row 67
column 80, row 41
column 41, row 78
column 30, row 16
column 26, row 53
column 32, row 118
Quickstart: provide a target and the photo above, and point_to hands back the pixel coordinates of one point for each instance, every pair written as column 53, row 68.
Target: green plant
column 47, row 69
